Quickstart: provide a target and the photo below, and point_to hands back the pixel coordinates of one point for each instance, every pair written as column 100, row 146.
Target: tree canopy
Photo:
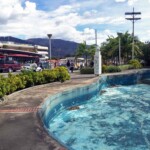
column 86, row 51
column 110, row 48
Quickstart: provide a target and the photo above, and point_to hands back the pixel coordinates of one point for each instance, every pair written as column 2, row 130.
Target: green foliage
column 124, row 67
column 87, row 70
column 14, row 83
column 62, row 74
column 3, row 86
column 146, row 53
column 27, row 78
column 104, row 68
column 30, row 78
column 111, row 69
column 49, row 76
column 110, row 48
column 135, row 64
column 85, row 51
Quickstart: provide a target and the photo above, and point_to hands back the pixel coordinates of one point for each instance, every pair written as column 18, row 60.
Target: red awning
column 19, row 55
column 2, row 56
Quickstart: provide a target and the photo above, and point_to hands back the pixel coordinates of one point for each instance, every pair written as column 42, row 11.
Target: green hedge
column 124, row 67
column 87, row 70
column 29, row 78
column 105, row 69
column 110, row 69
column 134, row 64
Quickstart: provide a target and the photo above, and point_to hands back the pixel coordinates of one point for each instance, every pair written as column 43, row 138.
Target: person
column 81, row 65
column 55, row 64
column 68, row 63
column 72, row 67
column 34, row 66
column 92, row 64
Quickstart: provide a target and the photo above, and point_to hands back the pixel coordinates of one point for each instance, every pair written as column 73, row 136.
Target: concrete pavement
column 20, row 126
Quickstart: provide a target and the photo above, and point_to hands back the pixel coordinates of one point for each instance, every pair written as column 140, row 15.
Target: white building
column 42, row 50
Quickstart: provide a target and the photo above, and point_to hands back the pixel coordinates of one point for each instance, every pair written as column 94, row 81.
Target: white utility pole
column 97, row 58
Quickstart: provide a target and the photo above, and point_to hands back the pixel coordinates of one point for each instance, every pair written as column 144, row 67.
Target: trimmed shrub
column 27, row 78
column 87, row 70
column 4, row 88
column 38, row 78
column 15, row 83
column 124, row 67
column 62, row 74
column 135, row 64
column 49, row 76
column 111, row 69
column 30, row 78
column 104, row 68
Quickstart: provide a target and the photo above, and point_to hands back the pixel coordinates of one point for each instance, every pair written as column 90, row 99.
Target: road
column 6, row 74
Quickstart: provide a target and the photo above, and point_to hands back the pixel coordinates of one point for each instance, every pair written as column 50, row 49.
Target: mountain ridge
column 59, row 48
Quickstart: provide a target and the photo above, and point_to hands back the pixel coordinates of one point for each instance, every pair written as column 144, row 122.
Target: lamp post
column 119, row 35
column 49, row 50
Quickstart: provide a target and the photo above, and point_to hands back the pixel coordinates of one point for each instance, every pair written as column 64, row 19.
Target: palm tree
column 85, row 51
column 110, row 47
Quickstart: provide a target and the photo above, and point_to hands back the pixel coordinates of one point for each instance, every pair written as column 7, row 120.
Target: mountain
column 59, row 48
column 13, row 39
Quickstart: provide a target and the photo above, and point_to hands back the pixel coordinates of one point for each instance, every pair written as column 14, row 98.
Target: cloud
column 65, row 9
column 132, row 2
column 9, row 9
column 71, row 20
column 120, row 0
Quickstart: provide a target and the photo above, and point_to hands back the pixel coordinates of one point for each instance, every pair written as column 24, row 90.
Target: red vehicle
column 8, row 64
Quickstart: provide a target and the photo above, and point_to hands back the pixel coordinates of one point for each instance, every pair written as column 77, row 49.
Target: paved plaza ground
column 20, row 126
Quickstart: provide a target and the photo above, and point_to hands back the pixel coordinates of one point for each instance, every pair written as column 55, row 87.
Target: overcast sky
column 73, row 20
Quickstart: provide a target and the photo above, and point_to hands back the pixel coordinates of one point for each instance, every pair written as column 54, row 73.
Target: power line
column 133, row 19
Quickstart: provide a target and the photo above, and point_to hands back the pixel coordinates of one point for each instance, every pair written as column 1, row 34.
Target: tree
column 110, row 48
column 85, row 51
column 146, row 53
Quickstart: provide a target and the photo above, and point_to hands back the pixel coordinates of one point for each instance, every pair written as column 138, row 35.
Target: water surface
column 118, row 119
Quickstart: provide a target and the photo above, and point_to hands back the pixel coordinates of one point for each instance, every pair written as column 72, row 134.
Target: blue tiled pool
column 116, row 120
column 113, row 114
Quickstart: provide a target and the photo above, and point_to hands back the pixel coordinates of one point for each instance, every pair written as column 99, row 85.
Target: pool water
column 117, row 119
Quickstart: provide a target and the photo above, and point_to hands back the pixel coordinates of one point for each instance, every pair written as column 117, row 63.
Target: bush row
column 29, row 78
column 110, row 69
column 134, row 64
column 87, row 70
column 105, row 69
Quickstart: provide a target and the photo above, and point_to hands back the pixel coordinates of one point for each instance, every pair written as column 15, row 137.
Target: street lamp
column 119, row 35
column 49, row 50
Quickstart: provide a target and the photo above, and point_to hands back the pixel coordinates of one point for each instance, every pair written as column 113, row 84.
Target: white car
column 31, row 67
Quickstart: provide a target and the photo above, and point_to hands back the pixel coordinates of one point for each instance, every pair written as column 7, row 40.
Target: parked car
column 45, row 65
column 31, row 67
column 9, row 65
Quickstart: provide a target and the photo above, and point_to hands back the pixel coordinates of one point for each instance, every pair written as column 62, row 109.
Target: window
column 2, row 60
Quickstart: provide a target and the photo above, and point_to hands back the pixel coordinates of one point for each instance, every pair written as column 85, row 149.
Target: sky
column 73, row 20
